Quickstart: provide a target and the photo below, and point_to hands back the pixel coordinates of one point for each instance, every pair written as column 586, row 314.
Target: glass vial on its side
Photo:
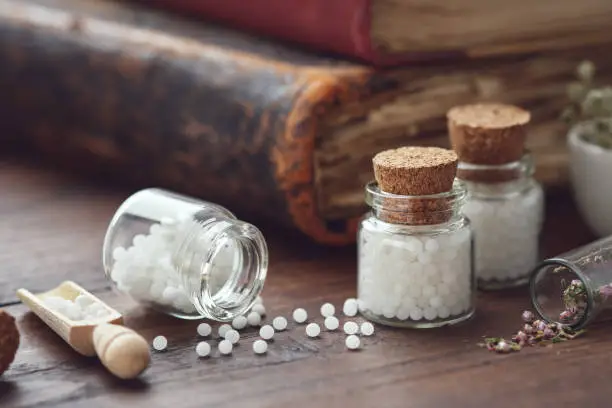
column 575, row 287
column 186, row 257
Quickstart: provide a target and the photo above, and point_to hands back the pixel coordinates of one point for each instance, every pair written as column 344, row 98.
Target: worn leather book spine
column 388, row 33
column 87, row 85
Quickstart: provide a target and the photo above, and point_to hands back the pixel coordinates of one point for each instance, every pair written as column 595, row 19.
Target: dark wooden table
column 51, row 229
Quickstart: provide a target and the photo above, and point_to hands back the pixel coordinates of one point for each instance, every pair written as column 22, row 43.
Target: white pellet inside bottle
column 511, row 225
column 507, row 218
column 186, row 257
column 423, row 279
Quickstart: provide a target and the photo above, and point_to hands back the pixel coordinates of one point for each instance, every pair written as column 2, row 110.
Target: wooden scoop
column 123, row 352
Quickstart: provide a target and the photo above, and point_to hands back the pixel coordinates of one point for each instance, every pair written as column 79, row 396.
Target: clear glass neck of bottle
column 423, row 211
column 574, row 287
column 222, row 263
column 497, row 179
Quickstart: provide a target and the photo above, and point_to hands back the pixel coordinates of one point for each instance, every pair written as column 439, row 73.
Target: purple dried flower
column 548, row 333
column 541, row 326
column 528, row 329
column 521, row 337
column 528, row 316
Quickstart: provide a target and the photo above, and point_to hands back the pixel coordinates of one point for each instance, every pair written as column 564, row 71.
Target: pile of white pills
column 510, row 228
column 409, row 279
column 229, row 335
column 145, row 269
column 82, row 308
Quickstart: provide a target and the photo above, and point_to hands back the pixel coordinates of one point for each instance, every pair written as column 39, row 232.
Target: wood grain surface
column 52, row 227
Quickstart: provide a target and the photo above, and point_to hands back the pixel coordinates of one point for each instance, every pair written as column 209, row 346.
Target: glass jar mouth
column 224, row 290
column 547, row 286
column 380, row 200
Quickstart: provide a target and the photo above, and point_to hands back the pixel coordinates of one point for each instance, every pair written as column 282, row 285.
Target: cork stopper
column 415, row 170
column 488, row 133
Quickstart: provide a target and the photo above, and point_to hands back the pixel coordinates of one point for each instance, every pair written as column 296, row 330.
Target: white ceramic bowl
column 591, row 178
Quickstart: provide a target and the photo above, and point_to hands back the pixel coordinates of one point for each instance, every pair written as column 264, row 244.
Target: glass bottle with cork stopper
column 186, row 257
column 415, row 245
column 505, row 203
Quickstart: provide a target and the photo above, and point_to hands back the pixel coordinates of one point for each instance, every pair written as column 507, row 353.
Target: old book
column 104, row 88
column 389, row 32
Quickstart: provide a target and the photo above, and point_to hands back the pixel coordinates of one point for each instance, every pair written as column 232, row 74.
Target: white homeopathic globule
column 331, row 323
column 313, row 330
column 415, row 277
column 204, row 329
column 203, row 349
column 160, row 343
column 300, row 315
column 266, row 332
column 327, row 309
column 279, row 323
column 350, row 307
column 510, row 229
column 260, row 346
column 240, row 322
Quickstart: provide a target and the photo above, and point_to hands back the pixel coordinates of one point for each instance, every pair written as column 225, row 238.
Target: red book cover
column 337, row 26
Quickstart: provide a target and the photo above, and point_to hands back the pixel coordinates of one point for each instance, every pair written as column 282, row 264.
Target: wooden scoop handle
column 123, row 352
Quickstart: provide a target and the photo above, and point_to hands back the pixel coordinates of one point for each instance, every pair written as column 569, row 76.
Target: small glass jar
column 505, row 206
column 574, row 287
column 415, row 259
column 185, row 257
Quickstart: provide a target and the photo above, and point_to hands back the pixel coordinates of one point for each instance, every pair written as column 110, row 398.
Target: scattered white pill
column 266, row 332
column 350, row 307
column 204, row 329
column 279, row 323
column 350, row 328
column 232, row 335
column 331, row 323
column 225, row 347
column 259, row 308
column 258, row 300
column 327, row 309
column 260, row 346
column 160, row 343
column 254, row 319
column 223, row 329
column 239, row 322
column 313, row 330
column 203, row 349
column 352, row 342
column 300, row 315
column 367, row 329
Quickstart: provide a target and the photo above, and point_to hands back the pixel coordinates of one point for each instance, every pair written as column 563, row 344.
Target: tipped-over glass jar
column 574, row 287
column 415, row 259
column 186, row 257
column 505, row 207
